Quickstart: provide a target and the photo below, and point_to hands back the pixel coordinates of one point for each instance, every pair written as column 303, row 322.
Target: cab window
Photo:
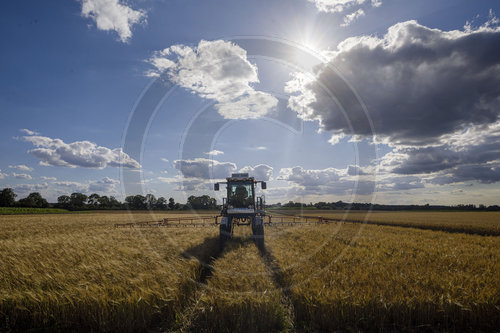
column 240, row 195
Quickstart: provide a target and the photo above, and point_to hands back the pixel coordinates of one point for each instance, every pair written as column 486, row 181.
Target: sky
column 382, row 101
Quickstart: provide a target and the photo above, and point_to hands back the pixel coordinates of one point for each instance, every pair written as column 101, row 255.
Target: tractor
column 242, row 207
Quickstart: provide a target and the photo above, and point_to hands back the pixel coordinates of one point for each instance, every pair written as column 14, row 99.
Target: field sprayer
column 242, row 207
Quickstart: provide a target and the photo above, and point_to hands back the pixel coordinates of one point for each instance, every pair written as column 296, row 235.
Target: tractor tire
column 258, row 235
column 224, row 235
column 225, row 231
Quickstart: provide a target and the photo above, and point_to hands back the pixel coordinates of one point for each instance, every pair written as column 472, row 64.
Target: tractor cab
column 242, row 206
column 240, row 197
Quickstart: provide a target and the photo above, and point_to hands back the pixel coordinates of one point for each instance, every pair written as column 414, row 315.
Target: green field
column 22, row 210
column 79, row 272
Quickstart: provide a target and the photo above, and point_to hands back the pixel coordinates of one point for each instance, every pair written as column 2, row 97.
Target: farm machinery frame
column 242, row 206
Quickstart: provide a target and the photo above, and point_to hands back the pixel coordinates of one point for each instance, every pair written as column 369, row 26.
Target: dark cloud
column 451, row 162
column 418, row 84
column 484, row 173
column 427, row 160
column 433, row 95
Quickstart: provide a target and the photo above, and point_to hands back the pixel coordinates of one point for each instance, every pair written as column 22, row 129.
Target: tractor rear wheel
column 258, row 235
column 224, row 234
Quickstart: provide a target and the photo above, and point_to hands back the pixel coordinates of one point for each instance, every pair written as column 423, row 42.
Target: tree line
column 340, row 205
column 80, row 201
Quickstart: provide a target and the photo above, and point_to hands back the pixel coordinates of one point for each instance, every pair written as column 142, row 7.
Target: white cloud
column 104, row 186
column 257, row 148
column 217, row 70
column 203, row 168
column 335, row 138
column 353, row 180
column 355, row 170
column 28, row 132
column 198, row 173
column 400, row 183
column 164, row 160
column 252, row 105
column 21, row 167
column 214, row 152
column 336, row 6
column 339, row 6
column 323, row 182
column 302, row 84
column 187, row 184
column 310, row 178
column 21, row 175
column 259, row 172
column 48, row 178
column 349, row 18
column 112, row 15
column 70, row 187
column 2, row 175
column 55, row 152
column 28, row 188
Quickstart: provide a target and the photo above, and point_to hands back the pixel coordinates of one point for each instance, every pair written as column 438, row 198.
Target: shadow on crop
column 210, row 250
column 278, row 276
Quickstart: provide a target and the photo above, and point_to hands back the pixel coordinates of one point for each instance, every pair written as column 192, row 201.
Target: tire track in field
column 277, row 275
column 207, row 253
column 187, row 319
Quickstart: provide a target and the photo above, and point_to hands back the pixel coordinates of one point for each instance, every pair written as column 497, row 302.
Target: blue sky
column 73, row 73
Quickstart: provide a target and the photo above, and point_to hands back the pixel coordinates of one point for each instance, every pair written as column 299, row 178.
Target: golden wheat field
column 482, row 223
column 77, row 271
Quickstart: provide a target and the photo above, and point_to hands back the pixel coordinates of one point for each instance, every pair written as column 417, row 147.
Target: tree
column 93, row 200
column 115, row 204
column 150, row 201
column 34, row 200
column 129, row 201
column 104, row 202
column 64, row 201
column 202, row 202
column 78, row 200
column 171, row 203
column 7, row 198
column 161, row 203
column 136, row 202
